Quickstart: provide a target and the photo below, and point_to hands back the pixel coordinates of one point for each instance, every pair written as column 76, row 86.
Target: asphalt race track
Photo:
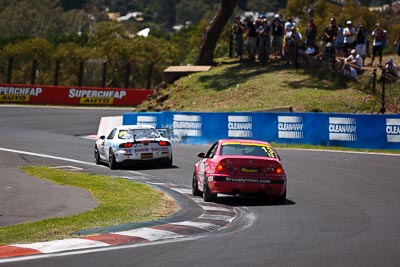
column 342, row 208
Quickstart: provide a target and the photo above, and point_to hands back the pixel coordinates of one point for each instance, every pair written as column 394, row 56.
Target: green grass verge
column 334, row 148
column 119, row 201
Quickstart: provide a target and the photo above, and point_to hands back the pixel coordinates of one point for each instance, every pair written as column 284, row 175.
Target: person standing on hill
column 348, row 34
column 330, row 32
column 277, row 28
column 397, row 44
column 311, row 33
column 339, row 42
column 251, row 40
column 293, row 42
column 289, row 24
column 361, row 41
column 378, row 43
column 237, row 33
column 264, row 37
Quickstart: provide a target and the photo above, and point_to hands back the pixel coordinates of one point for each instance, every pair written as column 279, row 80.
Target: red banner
column 68, row 95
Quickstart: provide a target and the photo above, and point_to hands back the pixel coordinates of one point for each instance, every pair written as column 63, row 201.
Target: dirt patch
column 169, row 206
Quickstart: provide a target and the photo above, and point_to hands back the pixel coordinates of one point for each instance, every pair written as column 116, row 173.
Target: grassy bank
column 119, row 201
column 236, row 85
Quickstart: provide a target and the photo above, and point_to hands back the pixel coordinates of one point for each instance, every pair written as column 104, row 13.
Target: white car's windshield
column 139, row 134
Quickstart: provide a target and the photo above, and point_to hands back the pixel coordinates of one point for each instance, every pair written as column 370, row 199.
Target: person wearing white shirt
column 353, row 65
column 348, row 38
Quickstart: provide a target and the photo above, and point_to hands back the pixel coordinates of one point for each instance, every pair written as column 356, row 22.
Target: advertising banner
column 324, row 129
column 68, row 95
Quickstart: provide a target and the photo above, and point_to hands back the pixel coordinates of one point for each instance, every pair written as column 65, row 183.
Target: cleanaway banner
column 325, row 129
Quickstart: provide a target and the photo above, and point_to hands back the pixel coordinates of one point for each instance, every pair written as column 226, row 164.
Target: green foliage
column 80, row 39
column 23, row 54
column 321, row 11
column 78, row 31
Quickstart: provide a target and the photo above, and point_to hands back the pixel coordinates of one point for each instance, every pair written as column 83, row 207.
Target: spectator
column 353, row 65
column 361, row 41
column 391, row 69
column 339, row 42
column 294, row 40
column 251, row 38
column 308, row 54
column 277, row 28
column 397, row 44
column 327, row 55
column 311, row 33
column 331, row 32
column 348, row 41
column 264, row 37
column 378, row 43
column 237, row 32
column 289, row 24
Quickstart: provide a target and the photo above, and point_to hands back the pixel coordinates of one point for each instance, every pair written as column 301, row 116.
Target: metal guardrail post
column 104, row 75
column 10, row 69
column 230, row 45
column 374, row 82
column 33, row 72
column 57, row 72
column 383, row 109
column 127, row 74
column 80, row 73
column 149, row 76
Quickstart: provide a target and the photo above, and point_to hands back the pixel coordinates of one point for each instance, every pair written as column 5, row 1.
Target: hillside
column 244, row 86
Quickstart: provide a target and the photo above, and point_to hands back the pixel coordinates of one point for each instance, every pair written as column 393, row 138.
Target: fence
column 92, row 72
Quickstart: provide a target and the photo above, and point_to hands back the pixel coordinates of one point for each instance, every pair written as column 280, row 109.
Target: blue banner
column 325, row 129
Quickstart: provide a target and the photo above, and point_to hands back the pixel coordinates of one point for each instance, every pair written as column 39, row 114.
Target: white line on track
column 45, row 156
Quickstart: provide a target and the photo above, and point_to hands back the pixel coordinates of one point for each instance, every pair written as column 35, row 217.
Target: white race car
column 133, row 144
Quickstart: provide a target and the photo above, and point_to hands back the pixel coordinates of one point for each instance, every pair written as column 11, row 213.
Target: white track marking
column 63, row 245
column 45, row 156
column 150, row 234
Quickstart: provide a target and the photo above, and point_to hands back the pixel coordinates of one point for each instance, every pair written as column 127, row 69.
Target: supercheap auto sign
column 64, row 95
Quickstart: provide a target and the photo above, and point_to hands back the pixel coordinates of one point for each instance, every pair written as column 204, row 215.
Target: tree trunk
column 214, row 30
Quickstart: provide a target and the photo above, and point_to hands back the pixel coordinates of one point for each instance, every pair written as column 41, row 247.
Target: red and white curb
column 215, row 217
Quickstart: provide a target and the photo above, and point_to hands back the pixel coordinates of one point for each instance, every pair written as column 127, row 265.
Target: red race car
column 236, row 166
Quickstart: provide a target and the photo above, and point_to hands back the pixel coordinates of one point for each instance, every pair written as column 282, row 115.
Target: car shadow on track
column 145, row 167
column 138, row 167
column 236, row 201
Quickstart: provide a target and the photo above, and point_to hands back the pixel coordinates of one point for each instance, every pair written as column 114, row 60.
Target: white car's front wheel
column 112, row 162
column 96, row 155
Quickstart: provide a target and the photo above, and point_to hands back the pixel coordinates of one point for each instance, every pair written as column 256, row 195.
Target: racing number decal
column 269, row 151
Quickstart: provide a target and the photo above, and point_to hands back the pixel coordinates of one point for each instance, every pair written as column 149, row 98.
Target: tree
column 213, row 31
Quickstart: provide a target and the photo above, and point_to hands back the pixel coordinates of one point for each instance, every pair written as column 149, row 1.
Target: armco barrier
column 326, row 129
column 64, row 95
